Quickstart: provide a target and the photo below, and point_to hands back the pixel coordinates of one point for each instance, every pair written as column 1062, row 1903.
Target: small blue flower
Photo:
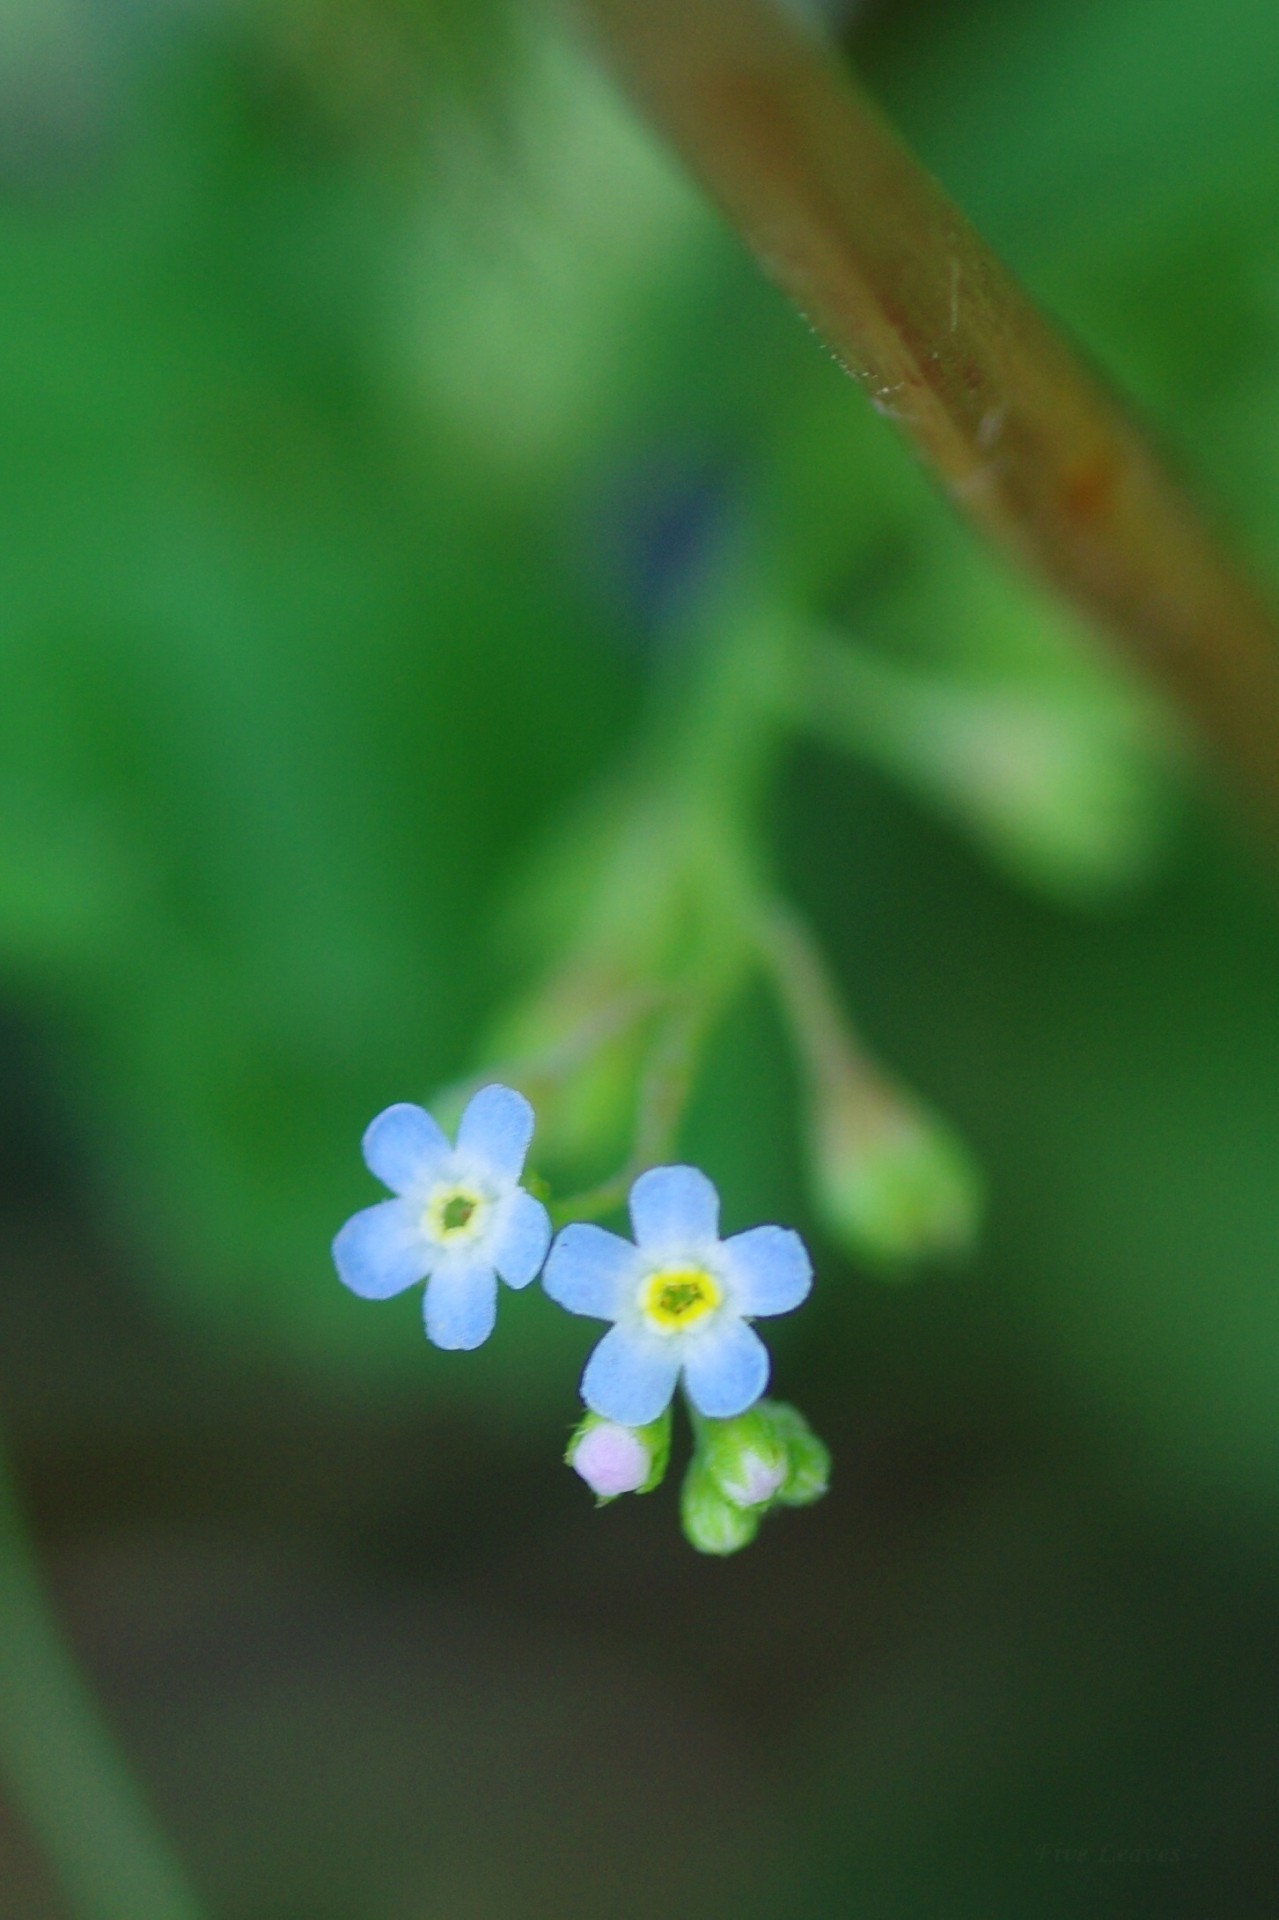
column 459, row 1219
column 680, row 1300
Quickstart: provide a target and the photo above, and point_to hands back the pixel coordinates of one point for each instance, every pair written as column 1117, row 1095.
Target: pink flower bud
column 612, row 1459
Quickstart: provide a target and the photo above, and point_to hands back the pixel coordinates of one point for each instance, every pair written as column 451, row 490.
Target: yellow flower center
column 678, row 1297
column 452, row 1213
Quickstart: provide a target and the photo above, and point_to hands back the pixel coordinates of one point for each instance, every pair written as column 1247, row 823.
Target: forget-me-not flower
column 680, row 1300
column 459, row 1217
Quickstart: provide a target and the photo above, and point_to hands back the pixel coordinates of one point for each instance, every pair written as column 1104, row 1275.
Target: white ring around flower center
column 455, row 1213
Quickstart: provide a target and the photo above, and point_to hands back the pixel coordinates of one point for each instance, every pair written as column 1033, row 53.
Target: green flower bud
column 746, row 1458
column 613, row 1459
column 891, row 1180
column 808, row 1458
column 711, row 1523
column 1062, row 781
column 1065, row 794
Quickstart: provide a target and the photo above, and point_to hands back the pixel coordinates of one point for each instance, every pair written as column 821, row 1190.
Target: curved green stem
column 63, row 1772
column 663, row 1096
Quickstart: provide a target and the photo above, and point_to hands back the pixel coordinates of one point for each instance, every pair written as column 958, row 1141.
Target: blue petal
column 496, row 1128
column 726, row 1369
column 630, row 1378
column 518, row 1247
column 382, row 1250
column 461, row 1304
column 674, row 1209
column 771, row 1270
column 591, row 1271
column 403, row 1147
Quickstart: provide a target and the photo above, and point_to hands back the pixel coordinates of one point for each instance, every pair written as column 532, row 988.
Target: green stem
column 663, row 1096
column 832, row 1053
column 65, row 1775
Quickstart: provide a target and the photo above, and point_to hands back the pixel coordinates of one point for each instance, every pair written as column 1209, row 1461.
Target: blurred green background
column 376, row 403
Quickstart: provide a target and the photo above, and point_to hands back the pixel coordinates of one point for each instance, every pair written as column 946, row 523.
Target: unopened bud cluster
column 745, row 1468
column 741, row 1468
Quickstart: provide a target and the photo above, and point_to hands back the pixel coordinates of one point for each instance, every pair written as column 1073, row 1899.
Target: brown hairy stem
column 1025, row 438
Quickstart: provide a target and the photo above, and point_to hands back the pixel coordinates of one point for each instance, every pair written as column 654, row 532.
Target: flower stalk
column 1027, row 441
column 57, row 1758
column 890, row 1179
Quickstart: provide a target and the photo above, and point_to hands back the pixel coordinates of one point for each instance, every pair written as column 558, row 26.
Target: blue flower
column 459, row 1219
column 680, row 1300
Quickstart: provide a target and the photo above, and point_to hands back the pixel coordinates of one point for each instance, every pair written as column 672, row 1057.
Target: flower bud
column 808, row 1458
column 711, row 1523
column 1061, row 780
column 890, row 1179
column 613, row 1459
column 745, row 1458
column 1067, row 794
